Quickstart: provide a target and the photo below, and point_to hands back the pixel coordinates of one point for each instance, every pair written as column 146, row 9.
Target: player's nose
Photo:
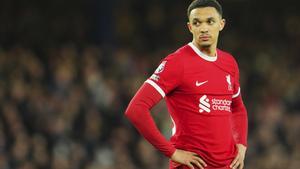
column 203, row 29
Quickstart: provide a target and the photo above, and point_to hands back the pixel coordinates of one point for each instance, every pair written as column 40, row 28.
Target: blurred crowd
column 67, row 77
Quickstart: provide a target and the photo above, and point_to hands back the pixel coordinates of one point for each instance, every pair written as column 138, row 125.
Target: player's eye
column 196, row 23
column 211, row 21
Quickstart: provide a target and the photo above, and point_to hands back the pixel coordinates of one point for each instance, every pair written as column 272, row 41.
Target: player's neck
column 209, row 51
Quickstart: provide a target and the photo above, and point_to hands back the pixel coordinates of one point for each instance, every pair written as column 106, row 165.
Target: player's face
column 205, row 24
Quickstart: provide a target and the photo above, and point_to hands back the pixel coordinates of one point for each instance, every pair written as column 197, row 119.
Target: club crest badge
column 161, row 67
column 229, row 83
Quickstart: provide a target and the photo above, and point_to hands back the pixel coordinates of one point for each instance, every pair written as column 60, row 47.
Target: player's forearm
column 138, row 112
column 239, row 121
column 147, row 128
column 240, row 124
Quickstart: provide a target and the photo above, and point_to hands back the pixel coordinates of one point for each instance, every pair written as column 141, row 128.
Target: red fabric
column 138, row 112
column 239, row 121
column 239, row 113
column 172, row 166
column 204, row 102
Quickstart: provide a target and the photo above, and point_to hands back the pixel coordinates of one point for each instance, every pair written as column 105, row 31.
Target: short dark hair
column 205, row 3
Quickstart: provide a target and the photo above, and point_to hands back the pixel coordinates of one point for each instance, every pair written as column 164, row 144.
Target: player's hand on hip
column 238, row 162
column 187, row 158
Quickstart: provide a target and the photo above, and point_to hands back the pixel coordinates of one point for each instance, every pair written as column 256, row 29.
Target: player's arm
column 138, row 112
column 239, row 120
column 239, row 123
column 240, row 127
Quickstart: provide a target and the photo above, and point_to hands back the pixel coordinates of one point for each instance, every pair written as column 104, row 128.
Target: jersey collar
column 203, row 55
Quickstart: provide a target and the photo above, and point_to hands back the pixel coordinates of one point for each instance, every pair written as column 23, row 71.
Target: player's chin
column 205, row 45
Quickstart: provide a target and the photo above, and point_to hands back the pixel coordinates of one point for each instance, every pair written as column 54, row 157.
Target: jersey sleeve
column 236, row 86
column 167, row 76
column 239, row 112
column 138, row 112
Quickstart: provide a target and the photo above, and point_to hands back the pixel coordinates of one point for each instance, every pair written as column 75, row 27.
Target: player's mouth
column 204, row 37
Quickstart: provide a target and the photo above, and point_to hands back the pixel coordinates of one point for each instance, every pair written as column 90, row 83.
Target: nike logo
column 200, row 83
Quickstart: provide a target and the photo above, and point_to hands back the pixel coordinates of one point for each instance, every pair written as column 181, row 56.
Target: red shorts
column 177, row 166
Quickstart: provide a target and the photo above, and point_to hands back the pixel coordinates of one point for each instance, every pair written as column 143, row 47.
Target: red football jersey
column 199, row 90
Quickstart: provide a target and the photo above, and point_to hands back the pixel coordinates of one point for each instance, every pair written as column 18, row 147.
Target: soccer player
column 201, row 86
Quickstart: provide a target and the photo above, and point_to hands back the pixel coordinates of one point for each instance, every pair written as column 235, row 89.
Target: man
column 201, row 86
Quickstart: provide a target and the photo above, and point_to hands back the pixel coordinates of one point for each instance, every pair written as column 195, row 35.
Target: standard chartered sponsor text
column 221, row 104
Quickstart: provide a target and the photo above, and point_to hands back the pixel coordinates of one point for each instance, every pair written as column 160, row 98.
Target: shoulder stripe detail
column 237, row 94
column 160, row 91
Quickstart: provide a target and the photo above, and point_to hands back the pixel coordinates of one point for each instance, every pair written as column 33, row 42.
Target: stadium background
column 69, row 68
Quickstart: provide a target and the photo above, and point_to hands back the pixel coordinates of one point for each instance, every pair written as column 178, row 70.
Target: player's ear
column 222, row 24
column 189, row 26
